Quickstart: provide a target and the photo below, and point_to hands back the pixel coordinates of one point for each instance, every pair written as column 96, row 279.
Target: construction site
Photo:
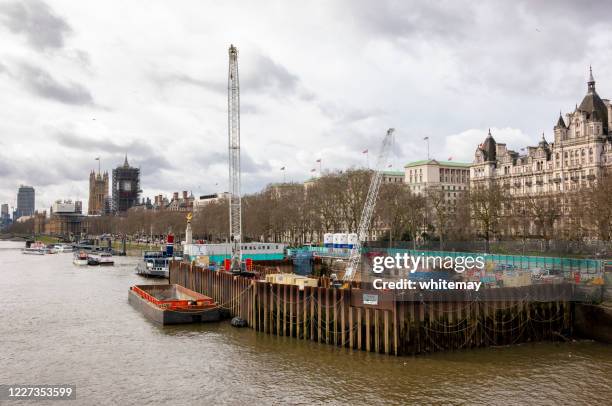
column 328, row 293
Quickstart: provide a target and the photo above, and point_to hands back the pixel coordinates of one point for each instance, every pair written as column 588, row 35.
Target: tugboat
column 156, row 264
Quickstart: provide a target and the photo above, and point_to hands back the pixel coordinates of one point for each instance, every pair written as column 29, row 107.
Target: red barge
column 173, row 304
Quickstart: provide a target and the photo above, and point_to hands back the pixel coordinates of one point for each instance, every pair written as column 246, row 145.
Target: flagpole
column 368, row 158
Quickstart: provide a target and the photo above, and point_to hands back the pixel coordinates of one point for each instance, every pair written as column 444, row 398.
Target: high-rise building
column 98, row 192
column 5, row 217
column 25, row 201
column 126, row 187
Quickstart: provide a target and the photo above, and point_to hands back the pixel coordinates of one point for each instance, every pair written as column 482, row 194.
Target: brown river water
column 63, row 324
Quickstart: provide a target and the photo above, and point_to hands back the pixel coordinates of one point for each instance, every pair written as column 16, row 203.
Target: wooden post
column 319, row 305
column 359, row 333
column 351, row 328
column 386, row 328
column 291, row 305
column 368, row 332
column 284, row 332
column 343, row 319
column 312, row 313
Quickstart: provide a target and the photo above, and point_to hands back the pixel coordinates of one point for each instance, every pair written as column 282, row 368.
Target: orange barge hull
column 173, row 304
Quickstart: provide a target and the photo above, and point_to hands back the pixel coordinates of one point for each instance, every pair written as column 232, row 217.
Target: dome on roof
column 593, row 106
column 543, row 143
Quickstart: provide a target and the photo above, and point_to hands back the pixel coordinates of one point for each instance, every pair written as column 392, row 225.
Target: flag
column 283, row 168
column 97, row 158
column 425, row 139
column 450, row 158
column 318, row 160
column 313, row 170
column 365, row 151
column 389, row 166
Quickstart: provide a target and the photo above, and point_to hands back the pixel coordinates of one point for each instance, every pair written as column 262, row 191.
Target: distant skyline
column 319, row 80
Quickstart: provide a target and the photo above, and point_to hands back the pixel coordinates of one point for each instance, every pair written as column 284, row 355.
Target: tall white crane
column 233, row 120
column 368, row 208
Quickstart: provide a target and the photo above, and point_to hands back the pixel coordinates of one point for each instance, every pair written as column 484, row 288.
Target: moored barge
column 173, row 304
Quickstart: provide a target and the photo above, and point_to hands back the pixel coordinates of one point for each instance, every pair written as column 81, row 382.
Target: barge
column 173, row 304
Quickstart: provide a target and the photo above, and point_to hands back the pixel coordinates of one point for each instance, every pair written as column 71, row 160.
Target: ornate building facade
column 98, row 193
column 581, row 150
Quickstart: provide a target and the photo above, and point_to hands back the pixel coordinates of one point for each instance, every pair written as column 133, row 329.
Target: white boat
column 80, row 258
column 34, row 251
column 38, row 248
column 100, row 258
column 62, row 248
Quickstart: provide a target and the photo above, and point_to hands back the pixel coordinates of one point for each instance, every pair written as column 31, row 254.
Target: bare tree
column 486, row 207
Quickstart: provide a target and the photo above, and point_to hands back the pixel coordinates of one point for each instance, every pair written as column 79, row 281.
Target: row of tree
column 297, row 213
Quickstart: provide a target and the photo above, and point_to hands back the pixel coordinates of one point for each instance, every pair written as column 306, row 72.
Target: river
column 63, row 324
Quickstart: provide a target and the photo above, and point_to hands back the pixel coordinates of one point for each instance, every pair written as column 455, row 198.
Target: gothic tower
column 98, row 192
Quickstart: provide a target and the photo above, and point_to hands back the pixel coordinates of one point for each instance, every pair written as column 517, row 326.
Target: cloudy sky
column 319, row 79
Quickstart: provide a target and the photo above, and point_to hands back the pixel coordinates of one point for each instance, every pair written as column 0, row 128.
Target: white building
column 202, row 201
column 582, row 148
column 451, row 177
column 393, row 177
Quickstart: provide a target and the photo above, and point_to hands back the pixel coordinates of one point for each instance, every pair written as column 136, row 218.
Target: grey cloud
column 74, row 141
column 247, row 164
column 269, row 76
column 406, row 20
column 346, row 115
column 260, row 75
column 490, row 44
column 182, row 78
column 35, row 20
column 41, row 83
column 139, row 153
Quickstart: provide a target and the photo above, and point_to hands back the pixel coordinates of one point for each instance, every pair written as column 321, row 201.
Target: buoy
column 239, row 322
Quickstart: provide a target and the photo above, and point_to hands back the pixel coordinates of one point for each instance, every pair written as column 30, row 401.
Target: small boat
column 62, row 248
column 154, row 267
column 173, row 304
column 35, row 251
column 80, row 258
column 156, row 264
column 37, row 248
column 100, row 258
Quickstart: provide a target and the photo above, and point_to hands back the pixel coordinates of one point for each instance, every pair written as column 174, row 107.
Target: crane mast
column 368, row 208
column 233, row 109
